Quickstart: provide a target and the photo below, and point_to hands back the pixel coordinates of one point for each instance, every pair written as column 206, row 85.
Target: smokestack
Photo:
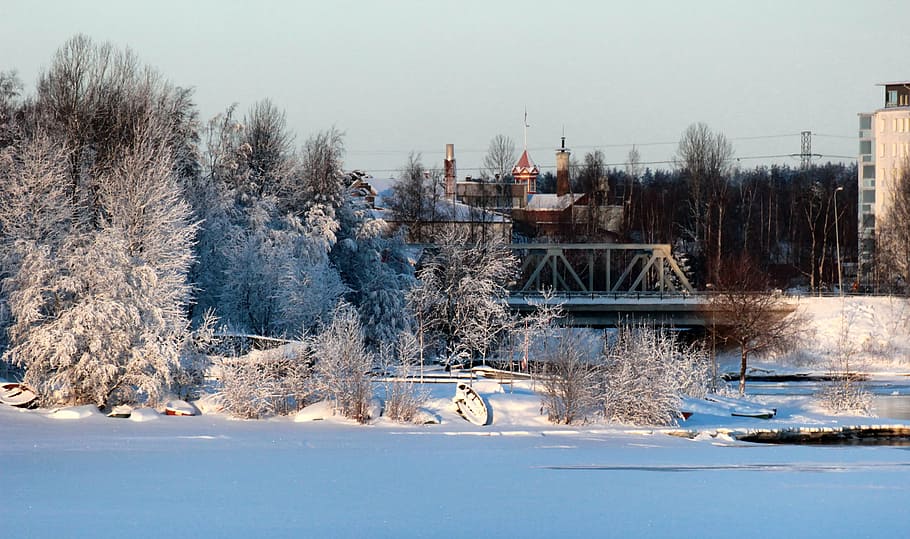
column 562, row 169
column 450, row 171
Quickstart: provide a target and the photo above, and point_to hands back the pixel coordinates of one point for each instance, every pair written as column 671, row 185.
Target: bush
column 646, row 371
column 403, row 398
column 343, row 364
column 569, row 382
column 264, row 383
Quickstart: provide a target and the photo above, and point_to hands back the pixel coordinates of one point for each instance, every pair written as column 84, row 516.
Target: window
column 892, row 98
column 881, row 150
column 865, row 146
column 865, row 122
column 881, row 125
column 868, row 171
column 868, row 196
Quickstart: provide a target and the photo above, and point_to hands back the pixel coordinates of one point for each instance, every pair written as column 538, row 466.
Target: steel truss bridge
column 600, row 284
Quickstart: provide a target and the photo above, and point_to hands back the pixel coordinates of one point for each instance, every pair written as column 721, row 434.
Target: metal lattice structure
column 592, row 268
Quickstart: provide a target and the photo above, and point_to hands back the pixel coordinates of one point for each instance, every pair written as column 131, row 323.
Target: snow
column 210, row 475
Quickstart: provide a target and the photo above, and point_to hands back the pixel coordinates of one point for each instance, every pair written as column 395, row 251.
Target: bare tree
column 705, row 159
column 633, row 176
column 500, row 158
column 750, row 315
column 415, row 196
column 893, row 234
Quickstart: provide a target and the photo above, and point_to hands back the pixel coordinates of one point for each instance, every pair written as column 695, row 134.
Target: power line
column 662, row 162
column 579, row 147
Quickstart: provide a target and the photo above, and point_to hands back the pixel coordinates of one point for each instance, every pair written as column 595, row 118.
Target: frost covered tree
column 98, row 299
column 403, row 396
column 10, row 90
column 469, row 315
column 343, row 364
column 646, row 371
column 320, row 179
column 267, row 382
column 568, row 382
column 375, row 269
column 845, row 393
column 269, row 154
column 262, row 265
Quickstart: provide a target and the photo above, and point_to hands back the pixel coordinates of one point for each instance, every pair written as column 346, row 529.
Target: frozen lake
column 211, row 476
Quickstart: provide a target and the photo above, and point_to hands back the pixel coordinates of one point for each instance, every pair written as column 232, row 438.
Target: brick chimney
column 450, row 171
column 562, row 169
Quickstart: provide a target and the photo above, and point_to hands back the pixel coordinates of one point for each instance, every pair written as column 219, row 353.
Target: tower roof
column 525, row 165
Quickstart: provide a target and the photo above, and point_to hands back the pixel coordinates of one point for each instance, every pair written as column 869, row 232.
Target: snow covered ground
column 89, row 475
column 74, row 472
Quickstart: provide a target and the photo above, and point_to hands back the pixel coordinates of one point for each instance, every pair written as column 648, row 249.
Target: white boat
column 121, row 411
column 18, row 394
column 470, row 405
column 742, row 407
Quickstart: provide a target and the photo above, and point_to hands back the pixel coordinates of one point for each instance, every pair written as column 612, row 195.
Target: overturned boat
column 470, row 405
column 18, row 394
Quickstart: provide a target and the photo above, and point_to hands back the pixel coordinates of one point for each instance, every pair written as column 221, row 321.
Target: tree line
column 129, row 228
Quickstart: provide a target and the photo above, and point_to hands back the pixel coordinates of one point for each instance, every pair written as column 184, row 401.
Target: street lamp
column 840, row 276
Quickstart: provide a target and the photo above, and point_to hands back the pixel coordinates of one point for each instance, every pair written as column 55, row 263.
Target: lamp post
column 840, row 276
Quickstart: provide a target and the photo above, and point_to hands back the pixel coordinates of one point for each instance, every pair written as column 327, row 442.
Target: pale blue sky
column 414, row 75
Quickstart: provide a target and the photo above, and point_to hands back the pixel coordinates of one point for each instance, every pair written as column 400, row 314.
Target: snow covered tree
column 375, row 270
column 568, row 381
column 646, row 371
column 267, row 382
column 320, row 180
column 92, row 325
column 98, row 290
column 469, row 314
column 845, row 392
column 269, row 155
column 403, row 397
column 10, row 89
column 343, row 364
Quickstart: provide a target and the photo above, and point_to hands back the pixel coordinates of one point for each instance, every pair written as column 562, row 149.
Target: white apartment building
column 884, row 148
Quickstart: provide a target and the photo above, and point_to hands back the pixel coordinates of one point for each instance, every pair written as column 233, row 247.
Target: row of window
column 896, row 99
column 898, row 125
column 897, row 150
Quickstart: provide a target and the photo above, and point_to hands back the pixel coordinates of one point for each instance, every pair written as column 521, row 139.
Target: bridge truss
column 592, row 268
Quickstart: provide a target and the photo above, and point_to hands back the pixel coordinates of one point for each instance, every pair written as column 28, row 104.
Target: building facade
column 884, row 150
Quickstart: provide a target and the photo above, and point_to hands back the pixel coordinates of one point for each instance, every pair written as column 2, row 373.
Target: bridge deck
column 607, row 309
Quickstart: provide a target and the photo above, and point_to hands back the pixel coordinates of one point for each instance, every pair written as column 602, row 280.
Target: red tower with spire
column 525, row 170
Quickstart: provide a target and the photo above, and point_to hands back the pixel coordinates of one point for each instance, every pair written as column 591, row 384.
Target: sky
column 410, row 76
